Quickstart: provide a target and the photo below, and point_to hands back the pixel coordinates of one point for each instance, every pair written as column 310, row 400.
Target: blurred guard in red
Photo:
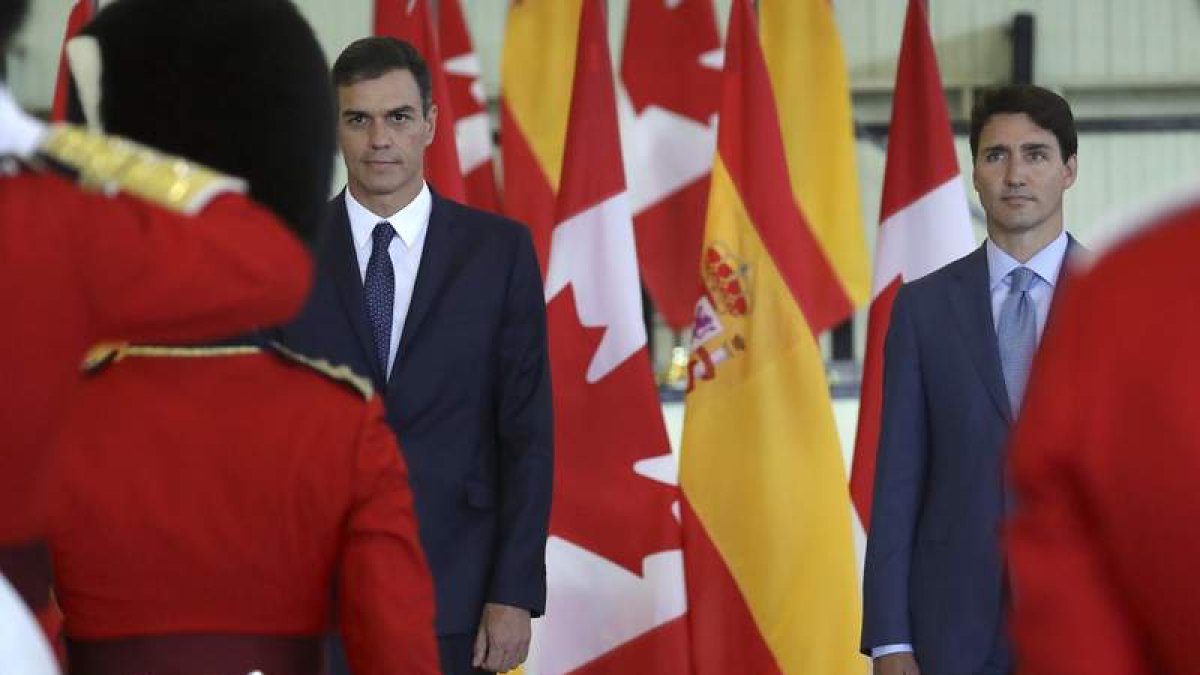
column 102, row 239
column 1104, row 543
column 209, row 498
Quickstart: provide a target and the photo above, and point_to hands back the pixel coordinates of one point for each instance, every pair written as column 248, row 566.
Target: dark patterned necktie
column 380, row 290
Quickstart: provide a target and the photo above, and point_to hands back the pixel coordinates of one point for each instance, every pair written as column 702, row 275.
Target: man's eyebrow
column 1035, row 146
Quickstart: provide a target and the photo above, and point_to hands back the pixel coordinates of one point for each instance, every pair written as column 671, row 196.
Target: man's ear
column 431, row 120
column 1070, row 168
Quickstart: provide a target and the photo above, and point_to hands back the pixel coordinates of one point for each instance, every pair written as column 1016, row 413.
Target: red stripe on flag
column 725, row 638
column 862, row 473
column 80, row 14
column 920, row 160
column 413, row 23
column 751, row 146
column 592, row 132
column 455, row 40
column 670, row 238
column 661, row 66
column 920, row 153
column 528, row 197
column 481, row 188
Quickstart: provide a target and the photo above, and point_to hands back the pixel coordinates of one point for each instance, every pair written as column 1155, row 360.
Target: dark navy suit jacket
column 934, row 575
column 468, row 397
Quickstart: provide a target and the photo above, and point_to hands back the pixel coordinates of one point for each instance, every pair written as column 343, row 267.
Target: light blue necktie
column 1016, row 334
column 379, row 289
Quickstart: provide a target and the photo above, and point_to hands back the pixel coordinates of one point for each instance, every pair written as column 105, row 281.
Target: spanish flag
column 812, row 95
column 769, row 555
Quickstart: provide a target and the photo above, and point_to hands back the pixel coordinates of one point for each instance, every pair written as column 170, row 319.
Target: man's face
column 1020, row 174
column 383, row 134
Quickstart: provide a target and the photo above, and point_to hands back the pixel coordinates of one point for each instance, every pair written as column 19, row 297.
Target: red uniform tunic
column 78, row 267
column 209, row 498
column 1106, row 461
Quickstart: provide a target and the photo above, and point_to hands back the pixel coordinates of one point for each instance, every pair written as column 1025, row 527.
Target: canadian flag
column 614, row 565
column 670, row 90
column 81, row 12
column 410, row 20
column 472, row 128
column 924, row 222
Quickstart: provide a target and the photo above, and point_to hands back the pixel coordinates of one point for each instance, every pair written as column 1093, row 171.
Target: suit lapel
column 971, row 301
column 1075, row 251
column 342, row 262
column 436, row 259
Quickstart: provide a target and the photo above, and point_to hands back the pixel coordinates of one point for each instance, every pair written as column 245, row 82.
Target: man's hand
column 901, row 663
column 503, row 640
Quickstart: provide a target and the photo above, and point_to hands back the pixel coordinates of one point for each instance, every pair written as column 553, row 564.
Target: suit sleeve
column 1068, row 617
column 385, row 589
column 525, row 439
column 150, row 274
column 899, row 484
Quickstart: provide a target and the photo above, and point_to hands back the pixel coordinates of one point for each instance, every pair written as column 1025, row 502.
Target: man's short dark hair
column 372, row 57
column 1047, row 109
column 12, row 15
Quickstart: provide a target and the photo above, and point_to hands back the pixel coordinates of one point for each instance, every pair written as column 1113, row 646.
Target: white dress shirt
column 1046, row 265
column 411, row 223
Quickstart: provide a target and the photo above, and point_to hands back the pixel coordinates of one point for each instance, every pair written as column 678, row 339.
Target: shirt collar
column 1046, row 263
column 20, row 134
column 409, row 222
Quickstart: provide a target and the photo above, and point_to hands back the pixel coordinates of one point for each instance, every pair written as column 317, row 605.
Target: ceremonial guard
column 219, row 505
column 102, row 238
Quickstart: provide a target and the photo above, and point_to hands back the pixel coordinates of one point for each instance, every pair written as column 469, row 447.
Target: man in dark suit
column 956, row 360
column 443, row 306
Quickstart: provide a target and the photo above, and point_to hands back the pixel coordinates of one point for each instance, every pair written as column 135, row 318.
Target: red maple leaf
column 601, row 430
column 661, row 62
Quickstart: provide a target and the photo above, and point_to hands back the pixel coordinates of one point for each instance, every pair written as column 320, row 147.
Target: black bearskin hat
column 240, row 86
column 12, row 15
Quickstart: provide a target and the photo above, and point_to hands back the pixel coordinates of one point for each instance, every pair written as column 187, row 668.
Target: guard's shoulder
column 341, row 374
column 111, row 164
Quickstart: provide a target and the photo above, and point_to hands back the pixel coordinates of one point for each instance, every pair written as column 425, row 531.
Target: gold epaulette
column 111, row 164
column 102, row 355
column 339, row 373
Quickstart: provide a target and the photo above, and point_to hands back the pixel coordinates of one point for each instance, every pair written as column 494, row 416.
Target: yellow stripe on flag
column 812, row 93
column 762, row 464
column 537, row 69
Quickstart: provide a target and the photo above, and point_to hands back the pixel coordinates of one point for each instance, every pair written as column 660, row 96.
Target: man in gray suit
column 956, row 360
